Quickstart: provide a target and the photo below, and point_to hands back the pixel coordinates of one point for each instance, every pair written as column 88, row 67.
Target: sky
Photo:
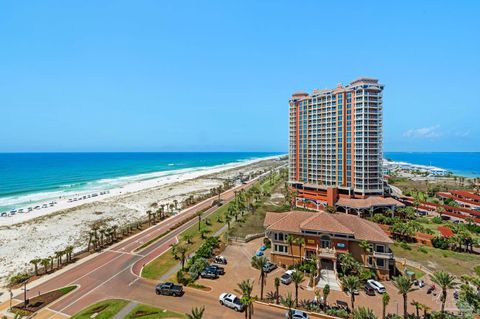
column 217, row 75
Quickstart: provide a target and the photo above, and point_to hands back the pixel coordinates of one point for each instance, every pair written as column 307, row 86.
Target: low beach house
column 326, row 236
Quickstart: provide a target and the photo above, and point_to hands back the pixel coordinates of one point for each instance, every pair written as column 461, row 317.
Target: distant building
column 335, row 147
column 326, row 236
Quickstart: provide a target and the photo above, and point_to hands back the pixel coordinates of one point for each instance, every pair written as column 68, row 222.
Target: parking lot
column 239, row 268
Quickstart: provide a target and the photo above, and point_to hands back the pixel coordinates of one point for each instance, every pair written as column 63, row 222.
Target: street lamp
column 25, row 294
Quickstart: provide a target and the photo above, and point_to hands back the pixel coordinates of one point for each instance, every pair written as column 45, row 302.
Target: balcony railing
column 383, row 255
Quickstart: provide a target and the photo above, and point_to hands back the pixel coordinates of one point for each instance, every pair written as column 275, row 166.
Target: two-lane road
column 114, row 273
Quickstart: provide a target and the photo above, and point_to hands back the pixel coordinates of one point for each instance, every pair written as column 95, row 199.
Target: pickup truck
column 231, row 301
column 169, row 289
column 209, row 274
column 217, row 269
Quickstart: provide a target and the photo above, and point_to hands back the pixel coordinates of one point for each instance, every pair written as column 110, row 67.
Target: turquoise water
column 27, row 178
column 460, row 163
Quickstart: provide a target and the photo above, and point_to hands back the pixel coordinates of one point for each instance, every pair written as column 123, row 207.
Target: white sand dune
column 41, row 233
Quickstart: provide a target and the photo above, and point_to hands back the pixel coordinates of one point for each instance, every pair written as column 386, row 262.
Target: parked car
column 169, row 289
column 369, row 290
column 296, row 314
column 217, row 269
column 209, row 274
column 286, row 278
column 269, row 266
column 377, row 286
column 231, row 301
column 259, row 253
column 263, row 248
column 220, row 260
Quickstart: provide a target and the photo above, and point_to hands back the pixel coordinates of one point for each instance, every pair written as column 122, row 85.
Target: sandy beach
column 40, row 233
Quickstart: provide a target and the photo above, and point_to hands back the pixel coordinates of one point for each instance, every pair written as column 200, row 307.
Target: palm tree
column 188, row 238
column 182, row 251
column 289, row 303
column 365, row 245
column 326, row 292
column 197, row 313
column 199, row 215
column 259, row 263
column 174, row 247
column 45, row 263
column 290, row 240
column 175, row 203
column 246, row 286
column 277, row 286
column 350, row 285
column 363, row 313
column 404, row 286
column 300, row 241
column 385, row 301
column 203, row 232
column 297, row 278
column 417, row 306
column 35, row 263
column 445, row 281
column 228, row 219
column 68, row 252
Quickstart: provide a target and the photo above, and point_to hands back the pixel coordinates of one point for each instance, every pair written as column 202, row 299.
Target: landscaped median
column 107, row 309
column 191, row 239
column 36, row 303
column 237, row 211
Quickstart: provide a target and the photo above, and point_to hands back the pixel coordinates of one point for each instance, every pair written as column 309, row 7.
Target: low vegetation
column 105, row 309
column 149, row 312
column 41, row 301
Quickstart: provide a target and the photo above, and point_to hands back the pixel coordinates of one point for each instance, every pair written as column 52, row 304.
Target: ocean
column 459, row 163
column 30, row 178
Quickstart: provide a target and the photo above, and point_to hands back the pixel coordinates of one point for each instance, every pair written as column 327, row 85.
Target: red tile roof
column 445, row 231
column 298, row 221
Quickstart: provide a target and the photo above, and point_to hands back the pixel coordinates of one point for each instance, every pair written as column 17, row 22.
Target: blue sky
column 217, row 75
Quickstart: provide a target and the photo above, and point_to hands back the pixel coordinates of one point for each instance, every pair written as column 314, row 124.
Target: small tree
column 297, row 278
column 385, row 301
column 259, row 263
column 404, row 286
column 445, row 281
column 277, row 286
column 350, row 285
column 326, row 292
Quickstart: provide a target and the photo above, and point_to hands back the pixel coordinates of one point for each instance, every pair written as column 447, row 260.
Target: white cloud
column 423, row 132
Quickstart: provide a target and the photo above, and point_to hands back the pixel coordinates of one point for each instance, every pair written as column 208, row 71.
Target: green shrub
column 405, row 246
column 422, row 249
column 441, row 242
column 18, row 279
column 437, row 220
column 197, row 267
column 341, row 313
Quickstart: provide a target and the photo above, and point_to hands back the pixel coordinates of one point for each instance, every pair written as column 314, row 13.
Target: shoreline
column 139, row 182
column 46, row 234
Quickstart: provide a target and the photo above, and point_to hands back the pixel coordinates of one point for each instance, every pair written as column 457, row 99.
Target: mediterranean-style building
column 335, row 148
column 326, row 236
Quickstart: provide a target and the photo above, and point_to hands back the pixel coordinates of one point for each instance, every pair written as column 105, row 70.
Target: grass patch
column 435, row 259
column 105, row 309
column 160, row 265
column 149, row 312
